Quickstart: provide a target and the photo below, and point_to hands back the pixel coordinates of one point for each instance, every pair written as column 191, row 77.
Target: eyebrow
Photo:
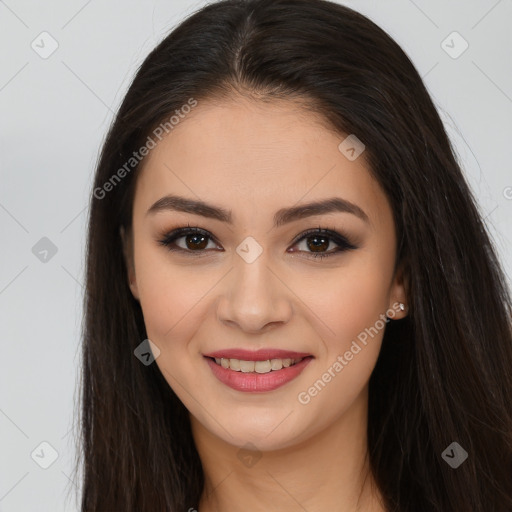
column 281, row 217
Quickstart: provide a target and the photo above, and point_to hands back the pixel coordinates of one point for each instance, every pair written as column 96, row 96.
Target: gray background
column 55, row 112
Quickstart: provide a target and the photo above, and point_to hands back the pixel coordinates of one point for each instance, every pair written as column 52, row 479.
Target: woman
column 292, row 302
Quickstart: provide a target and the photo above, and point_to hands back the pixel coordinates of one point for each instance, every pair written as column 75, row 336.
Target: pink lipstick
column 257, row 371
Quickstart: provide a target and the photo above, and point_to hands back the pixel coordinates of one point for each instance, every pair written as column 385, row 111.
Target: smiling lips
column 256, row 371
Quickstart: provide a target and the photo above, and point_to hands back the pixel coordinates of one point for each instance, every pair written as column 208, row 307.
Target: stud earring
column 402, row 307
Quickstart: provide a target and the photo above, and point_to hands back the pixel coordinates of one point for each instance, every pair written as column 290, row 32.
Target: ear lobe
column 127, row 244
column 399, row 292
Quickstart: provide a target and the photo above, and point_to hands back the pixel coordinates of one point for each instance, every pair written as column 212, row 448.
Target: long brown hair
column 444, row 372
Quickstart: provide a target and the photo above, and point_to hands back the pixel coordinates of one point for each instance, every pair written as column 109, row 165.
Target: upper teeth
column 256, row 366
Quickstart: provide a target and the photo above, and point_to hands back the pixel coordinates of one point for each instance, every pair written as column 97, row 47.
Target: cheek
column 352, row 305
column 171, row 296
column 350, row 299
column 172, row 301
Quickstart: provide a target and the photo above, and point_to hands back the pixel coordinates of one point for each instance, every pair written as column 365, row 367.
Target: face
column 257, row 272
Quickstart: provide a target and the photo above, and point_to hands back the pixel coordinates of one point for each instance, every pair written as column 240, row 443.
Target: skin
column 253, row 159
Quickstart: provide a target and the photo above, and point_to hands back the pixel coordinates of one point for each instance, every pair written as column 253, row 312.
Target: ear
column 398, row 294
column 127, row 244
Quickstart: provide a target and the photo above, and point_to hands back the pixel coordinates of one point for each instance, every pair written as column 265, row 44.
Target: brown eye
column 318, row 241
column 194, row 240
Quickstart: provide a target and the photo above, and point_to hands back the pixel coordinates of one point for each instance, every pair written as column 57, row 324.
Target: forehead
column 259, row 155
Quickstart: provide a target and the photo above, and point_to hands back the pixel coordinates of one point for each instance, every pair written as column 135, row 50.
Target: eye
column 196, row 240
column 317, row 240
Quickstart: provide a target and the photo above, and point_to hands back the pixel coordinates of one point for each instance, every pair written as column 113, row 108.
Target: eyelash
column 340, row 240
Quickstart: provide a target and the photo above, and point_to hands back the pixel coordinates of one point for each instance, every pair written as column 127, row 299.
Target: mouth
column 257, row 375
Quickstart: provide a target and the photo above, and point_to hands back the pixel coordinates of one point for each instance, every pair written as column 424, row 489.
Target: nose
column 254, row 297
